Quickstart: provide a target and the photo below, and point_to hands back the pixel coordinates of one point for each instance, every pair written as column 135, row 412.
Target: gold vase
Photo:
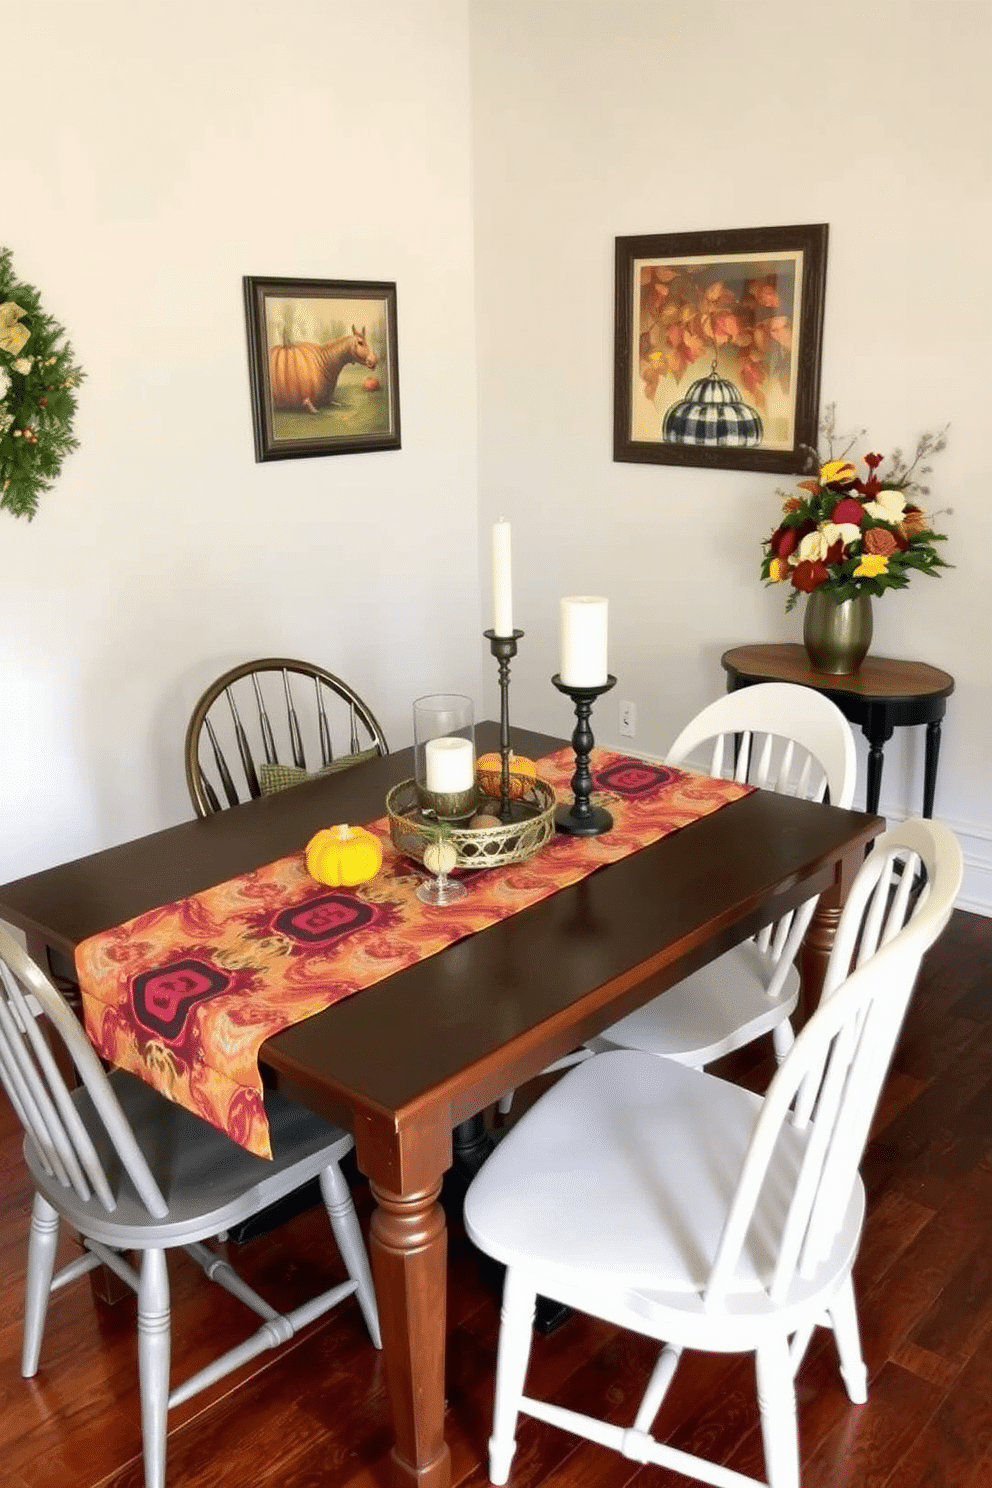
column 837, row 636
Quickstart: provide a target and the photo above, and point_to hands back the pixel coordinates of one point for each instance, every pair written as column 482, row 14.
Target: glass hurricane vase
column 837, row 636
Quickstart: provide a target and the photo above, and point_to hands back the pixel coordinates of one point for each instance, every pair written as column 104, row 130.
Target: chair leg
column 512, row 1354
column 42, row 1243
column 153, row 1363
column 777, row 1403
column 340, row 1208
column 782, row 1039
column 844, row 1321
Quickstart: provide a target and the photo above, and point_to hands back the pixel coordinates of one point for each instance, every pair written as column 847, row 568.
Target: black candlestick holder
column 581, row 819
column 504, row 648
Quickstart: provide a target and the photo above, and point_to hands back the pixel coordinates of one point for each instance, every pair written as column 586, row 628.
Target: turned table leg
column 819, row 940
column 931, row 756
column 408, row 1244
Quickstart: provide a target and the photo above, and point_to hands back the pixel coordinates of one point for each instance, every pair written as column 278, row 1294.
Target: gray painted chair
column 129, row 1171
column 267, row 724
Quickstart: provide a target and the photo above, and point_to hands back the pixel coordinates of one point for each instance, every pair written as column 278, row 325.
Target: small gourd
column 440, row 857
column 489, row 773
column 343, row 856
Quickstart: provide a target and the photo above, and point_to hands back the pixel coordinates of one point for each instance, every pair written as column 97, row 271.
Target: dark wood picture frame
column 323, row 366
column 718, row 342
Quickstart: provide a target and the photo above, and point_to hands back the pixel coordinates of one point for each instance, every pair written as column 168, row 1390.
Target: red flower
column 848, row 510
column 873, row 461
column 809, row 576
column 785, row 539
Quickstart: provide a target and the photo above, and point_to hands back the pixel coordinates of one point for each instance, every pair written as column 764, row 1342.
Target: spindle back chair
column 700, row 1214
column 267, row 724
column 135, row 1175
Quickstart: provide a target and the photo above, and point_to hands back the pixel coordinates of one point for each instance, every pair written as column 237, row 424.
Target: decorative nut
column 440, row 857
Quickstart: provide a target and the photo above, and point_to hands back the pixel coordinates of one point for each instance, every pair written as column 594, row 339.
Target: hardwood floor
column 315, row 1414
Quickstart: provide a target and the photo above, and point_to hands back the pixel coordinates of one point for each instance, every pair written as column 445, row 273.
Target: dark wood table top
column 878, row 678
column 445, row 1022
column 425, row 1027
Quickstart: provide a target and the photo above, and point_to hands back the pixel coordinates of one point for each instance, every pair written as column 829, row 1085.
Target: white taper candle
column 502, row 579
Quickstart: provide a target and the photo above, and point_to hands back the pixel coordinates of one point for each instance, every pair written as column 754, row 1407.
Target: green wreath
column 38, row 377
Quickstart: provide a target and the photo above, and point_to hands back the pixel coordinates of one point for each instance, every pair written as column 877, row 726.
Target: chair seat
column 208, row 1181
column 626, row 1170
column 720, row 1008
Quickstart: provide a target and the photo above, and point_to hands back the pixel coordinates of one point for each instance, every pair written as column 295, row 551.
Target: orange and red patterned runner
column 185, row 996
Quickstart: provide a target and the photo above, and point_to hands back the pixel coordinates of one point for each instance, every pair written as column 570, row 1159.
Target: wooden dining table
column 403, row 1062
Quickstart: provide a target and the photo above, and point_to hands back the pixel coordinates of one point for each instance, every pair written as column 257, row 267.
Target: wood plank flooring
column 315, row 1414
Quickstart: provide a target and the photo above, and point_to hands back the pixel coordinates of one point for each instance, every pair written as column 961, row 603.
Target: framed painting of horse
column 717, row 354
column 323, row 366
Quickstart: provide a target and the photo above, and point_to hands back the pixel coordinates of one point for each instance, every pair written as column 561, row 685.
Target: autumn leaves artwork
column 718, row 343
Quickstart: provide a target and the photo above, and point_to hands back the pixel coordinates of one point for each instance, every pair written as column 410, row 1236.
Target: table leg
column 876, row 759
column 472, row 1143
column 931, row 757
column 819, row 939
column 408, row 1244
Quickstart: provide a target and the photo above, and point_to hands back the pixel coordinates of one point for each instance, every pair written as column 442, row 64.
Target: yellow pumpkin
column 489, row 773
column 343, row 856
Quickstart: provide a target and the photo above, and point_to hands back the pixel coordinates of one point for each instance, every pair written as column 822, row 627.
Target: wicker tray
column 477, row 847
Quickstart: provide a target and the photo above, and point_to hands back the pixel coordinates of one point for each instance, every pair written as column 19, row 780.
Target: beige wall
column 156, row 153
column 484, row 156
column 600, row 118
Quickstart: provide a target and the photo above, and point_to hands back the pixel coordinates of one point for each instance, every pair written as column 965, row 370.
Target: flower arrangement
column 850, row 536
column 38, row 377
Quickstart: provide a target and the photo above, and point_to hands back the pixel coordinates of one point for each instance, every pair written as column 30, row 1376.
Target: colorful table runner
column 185, row 996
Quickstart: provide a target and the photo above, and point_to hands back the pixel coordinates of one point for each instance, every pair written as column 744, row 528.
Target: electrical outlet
column 628, row 719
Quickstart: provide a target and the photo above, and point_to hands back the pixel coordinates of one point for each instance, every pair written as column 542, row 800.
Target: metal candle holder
column 581, row 819
column 504, row 648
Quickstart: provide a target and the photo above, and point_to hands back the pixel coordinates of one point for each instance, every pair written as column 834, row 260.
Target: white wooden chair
column 688, row 1209
column 129, row 1171
column 777, row 736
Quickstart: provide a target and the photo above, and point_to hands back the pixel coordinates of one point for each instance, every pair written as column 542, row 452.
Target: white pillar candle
column 502, row 587
column 450, row 765
column 583, row 641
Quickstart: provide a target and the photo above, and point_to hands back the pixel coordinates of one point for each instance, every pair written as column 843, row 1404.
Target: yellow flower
column 12, row 335
column 777, row 570
column 836, row 472
column 871, row 565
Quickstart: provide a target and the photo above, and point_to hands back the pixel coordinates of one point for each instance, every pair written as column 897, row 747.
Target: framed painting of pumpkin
column 323, row 366
column 717, row 354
